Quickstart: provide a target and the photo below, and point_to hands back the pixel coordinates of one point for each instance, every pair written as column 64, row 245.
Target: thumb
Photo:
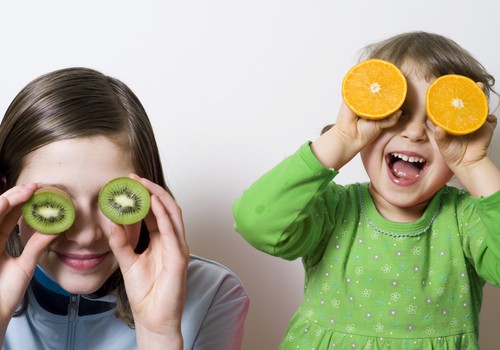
column 120, row 246
column 391, row 120
column 440, row 135
column 34, row 248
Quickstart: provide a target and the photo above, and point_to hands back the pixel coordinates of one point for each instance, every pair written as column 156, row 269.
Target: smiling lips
column 404, row 168
column 82, row 262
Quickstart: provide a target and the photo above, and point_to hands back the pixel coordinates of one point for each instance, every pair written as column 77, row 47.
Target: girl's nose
column 86, row 229
column 415, row 130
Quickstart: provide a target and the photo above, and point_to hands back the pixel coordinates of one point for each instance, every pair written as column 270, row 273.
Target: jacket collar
column 56, row 300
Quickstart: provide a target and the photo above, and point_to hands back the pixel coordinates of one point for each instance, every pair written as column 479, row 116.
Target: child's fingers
column 165, row 218
column 390, row 121
column 5, row 228
column 10, row 209
column 34, row 248
column 14, row 197
column 346, row 113
column 173, row 210
column 174, row 214
column 492, row 119
column 440, row 134
column 442, row 138
column 21, row 189
column 120, row 246
column 172, row 234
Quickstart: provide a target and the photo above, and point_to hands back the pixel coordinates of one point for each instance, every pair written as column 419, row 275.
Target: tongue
column 405, row 170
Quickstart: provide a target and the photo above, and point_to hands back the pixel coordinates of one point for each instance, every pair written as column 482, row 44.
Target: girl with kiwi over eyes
column 99, row 284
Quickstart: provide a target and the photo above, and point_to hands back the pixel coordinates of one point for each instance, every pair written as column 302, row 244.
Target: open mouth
column 404, row 166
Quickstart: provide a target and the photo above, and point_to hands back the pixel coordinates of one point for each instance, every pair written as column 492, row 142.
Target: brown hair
column 433, row 55
column 71, row 103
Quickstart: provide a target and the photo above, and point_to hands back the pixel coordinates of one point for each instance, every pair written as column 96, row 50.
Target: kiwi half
column 49, row 211
column 124, row 200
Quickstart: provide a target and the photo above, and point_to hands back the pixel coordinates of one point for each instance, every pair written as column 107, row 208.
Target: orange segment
column 374, row 89
column 457, row 104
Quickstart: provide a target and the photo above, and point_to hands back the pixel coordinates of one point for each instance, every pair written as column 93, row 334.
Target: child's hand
column 462, row 152
column 467, row 158
column 465, row 151
column 359, row 131
column 16, row 273
column 155, row 280
column 348, row 136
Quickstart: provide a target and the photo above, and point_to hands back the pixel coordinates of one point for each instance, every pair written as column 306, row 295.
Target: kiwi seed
column 49, row 211
column 124, row 201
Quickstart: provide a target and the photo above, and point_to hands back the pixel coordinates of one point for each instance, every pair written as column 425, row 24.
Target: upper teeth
column 407, row 158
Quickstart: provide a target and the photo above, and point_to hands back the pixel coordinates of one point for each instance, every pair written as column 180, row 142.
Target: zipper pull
column 72, row 307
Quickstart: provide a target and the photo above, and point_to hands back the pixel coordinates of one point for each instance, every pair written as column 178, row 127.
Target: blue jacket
column 214, row 314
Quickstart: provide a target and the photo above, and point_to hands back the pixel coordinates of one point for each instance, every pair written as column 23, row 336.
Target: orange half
column 374, row 89
column 457, row 104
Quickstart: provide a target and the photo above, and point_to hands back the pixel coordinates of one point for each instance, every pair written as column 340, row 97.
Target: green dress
column 371, row 283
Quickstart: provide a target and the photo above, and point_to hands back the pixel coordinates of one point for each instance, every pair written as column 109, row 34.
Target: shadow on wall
column 274, row 285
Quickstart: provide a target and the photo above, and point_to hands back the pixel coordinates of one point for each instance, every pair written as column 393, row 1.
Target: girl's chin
column 78, row 281
column 402, row 197
column 80, row 286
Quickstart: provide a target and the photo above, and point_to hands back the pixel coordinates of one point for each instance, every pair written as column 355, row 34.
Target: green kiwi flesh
column 124, row 201
column 49, row 211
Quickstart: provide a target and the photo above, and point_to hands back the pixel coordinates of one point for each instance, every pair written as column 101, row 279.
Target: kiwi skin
column 38, row 211
column 124, row 201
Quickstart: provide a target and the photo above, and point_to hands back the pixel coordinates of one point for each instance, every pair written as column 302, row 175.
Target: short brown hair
column 433, row 54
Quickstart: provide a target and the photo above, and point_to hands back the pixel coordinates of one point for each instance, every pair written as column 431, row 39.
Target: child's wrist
column 170, row 338
column 481, row 178
column 333, row 149
column 466, row 169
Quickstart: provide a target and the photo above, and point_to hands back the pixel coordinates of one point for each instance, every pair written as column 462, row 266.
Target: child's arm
column 347, row 137
column 284, row 213
column 288, row 210
column 467, row 158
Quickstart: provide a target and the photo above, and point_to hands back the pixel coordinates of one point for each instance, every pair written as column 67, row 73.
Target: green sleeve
column 286, row 212
column 487, row 255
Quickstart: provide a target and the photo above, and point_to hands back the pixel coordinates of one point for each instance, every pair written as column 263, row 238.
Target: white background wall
column 232, row 87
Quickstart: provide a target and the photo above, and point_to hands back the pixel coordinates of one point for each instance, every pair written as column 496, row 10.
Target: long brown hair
column 71, row 103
